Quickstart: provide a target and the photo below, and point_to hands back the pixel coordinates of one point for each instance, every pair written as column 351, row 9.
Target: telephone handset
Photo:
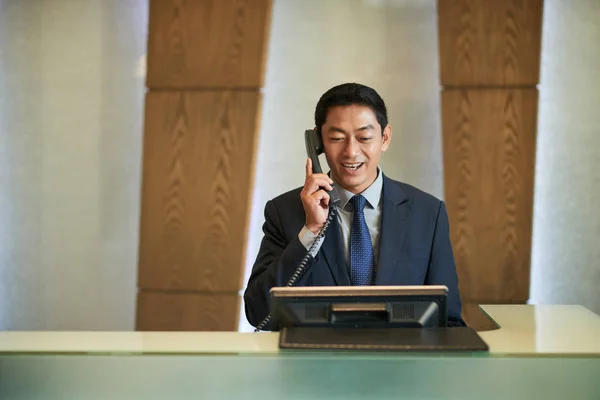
column 314, row 147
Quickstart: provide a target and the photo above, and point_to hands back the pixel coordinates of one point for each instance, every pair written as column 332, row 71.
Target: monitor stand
column 389, row 339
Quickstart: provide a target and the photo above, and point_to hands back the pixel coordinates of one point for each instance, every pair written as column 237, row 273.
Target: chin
column 351, row 184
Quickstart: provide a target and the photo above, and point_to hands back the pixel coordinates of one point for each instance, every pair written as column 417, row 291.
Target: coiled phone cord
column 302, row 266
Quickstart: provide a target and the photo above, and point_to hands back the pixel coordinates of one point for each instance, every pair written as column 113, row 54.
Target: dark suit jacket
column 414, row 249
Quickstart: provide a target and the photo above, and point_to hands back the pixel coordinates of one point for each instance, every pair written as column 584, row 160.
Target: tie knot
column 358, row 203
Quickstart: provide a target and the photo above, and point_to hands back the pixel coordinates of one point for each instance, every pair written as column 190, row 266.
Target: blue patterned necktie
column 361, row 249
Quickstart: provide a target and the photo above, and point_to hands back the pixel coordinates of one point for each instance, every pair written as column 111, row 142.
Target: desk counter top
column 551, row 330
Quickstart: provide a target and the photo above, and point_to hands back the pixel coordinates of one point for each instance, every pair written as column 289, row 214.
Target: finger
column 309, row 171
column 325, row 200
column 319, row 196
column 315, row 187
column 315, row 184
column 321, row 176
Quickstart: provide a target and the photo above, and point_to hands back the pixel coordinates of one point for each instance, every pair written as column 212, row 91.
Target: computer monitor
column 359, row 306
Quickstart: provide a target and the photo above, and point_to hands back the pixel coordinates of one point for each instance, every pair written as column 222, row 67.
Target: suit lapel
column 394, row 215
column 332, row 249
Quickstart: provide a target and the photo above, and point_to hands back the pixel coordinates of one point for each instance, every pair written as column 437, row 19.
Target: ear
column 387, row 138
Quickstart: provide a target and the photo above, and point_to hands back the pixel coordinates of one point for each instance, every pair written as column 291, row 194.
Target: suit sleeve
column 277, row 259
column 442, row 268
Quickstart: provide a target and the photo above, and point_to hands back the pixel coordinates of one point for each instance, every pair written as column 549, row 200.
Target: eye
column 365, row 138
column 336, row 139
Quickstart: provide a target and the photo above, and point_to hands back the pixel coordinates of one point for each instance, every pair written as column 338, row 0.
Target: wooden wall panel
column 164, row 311
column 197, row 175
column 489, row 160
column 207, row 43
column 489, row 68
column 206, row 62
column 489, row 42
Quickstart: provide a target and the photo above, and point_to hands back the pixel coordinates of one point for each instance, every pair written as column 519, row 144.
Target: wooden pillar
column 205, row 72
column 490, row 60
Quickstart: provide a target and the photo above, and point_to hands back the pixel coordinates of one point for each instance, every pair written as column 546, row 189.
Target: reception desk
column 538, row 352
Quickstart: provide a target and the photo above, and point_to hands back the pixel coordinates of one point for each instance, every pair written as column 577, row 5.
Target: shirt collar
column 372, row 193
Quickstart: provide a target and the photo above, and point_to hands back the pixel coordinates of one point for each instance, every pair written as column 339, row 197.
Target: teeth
column 352, row 166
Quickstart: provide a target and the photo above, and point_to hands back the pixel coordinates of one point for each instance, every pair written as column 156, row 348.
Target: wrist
column 313, row 228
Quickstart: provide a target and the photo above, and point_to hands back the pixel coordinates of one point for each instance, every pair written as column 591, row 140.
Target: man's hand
column 314, row 199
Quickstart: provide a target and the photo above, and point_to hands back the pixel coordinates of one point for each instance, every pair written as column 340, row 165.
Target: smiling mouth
column 353, row 166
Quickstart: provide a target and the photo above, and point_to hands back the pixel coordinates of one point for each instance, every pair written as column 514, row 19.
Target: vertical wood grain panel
column 489, row 159
column 206, row 62
column 489, row 42
column 187, row 311
column 489, row 68
column 198, row 156
column 207, row 43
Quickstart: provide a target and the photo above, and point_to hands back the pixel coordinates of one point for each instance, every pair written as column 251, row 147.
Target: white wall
column 389, row 45
column 71, row 112
column 566, row 225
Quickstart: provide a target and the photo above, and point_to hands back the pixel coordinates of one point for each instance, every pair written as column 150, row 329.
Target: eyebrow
column 365, row 128
column 340, row 130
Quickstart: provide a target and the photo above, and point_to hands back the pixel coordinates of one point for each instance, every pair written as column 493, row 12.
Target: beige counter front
column 539, row 351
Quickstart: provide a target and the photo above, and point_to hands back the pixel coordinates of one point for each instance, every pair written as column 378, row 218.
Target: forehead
column 350, row 120
column 354, row 115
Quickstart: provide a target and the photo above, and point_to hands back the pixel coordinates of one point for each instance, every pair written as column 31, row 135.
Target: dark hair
column 347, row 94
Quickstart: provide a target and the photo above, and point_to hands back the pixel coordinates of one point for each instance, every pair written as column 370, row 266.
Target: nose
column 352, row 148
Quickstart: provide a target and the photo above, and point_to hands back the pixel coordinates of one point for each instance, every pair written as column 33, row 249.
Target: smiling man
column 386, row 232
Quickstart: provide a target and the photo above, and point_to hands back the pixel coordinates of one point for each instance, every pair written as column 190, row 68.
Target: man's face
column 353, row 144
